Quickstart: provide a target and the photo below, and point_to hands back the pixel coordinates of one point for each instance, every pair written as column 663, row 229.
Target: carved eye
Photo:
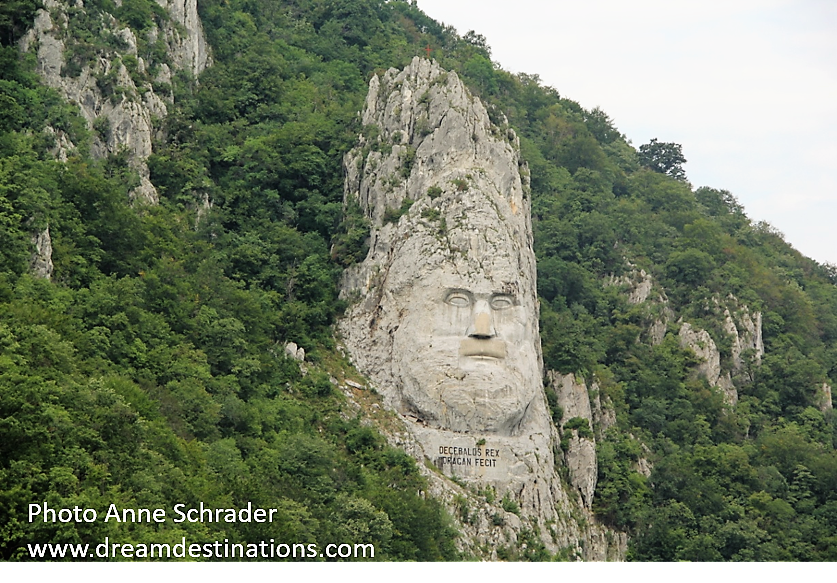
column 459, row 300
column 501, row 302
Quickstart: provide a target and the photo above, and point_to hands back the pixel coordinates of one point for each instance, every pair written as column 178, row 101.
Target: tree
column 15, row 17
column 663, row 157
column 601, row 126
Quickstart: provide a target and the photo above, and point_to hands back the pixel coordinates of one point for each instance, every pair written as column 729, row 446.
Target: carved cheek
column 448, row 320
column 512, row 325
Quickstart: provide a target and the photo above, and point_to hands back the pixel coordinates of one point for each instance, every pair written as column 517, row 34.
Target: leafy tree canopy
column 663, row 157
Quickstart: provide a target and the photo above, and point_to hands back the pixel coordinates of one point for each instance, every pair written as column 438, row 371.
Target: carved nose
column 482, row 328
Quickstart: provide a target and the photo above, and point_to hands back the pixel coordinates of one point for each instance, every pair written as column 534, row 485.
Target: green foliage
column 392, row 215
column 407, row 159
column 349, row 245
column 140, row 14
column 581, row 425
column 431, row 214
column 575, row 426
column 691, row 267
column 151, row 368
column 600, row 125
column 460, row 183
column 663, row 157
column 423, row 127
column 16, row 17
column 556, row 411
column 510, row 505
column 101, row 125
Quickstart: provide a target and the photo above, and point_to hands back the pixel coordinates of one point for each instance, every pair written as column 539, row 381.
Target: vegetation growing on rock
column 149, row 370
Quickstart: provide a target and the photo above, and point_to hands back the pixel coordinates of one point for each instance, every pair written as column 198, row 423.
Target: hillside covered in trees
column 149, row 368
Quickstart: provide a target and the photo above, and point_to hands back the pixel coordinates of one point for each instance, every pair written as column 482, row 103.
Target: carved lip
column 490, row 347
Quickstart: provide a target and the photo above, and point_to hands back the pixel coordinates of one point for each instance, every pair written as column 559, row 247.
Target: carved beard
column 464, row 394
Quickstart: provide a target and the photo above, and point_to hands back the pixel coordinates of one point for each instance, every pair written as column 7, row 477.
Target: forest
column 149, row 369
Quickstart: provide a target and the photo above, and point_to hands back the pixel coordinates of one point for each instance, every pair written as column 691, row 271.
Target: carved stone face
column 464, row 352
column 446, row 322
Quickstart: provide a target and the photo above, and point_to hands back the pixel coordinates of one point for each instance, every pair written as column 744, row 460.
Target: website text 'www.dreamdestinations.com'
column 261, row 551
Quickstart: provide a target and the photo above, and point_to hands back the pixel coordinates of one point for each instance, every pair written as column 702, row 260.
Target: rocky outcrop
column 187, row 44
column 638, row 285
column 574, row 399
column 640, row 289
column 120, row 105
column 423, row 129
column 444, row 311
column 701, row 343
column 604, row 415
column 743, row 327
column 746, row 332
column 295, row 352
column 824, row 398
column 63, row 145
column 747, row 347
column 40, row 264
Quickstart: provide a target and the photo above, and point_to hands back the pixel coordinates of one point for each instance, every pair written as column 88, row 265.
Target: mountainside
column 443, row 314
column 174, row 237
column 110, row 67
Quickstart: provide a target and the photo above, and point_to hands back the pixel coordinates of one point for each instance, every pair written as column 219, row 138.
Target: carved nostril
column 482, row 327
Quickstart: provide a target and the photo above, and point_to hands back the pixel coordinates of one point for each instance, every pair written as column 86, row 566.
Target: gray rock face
column 701, row 343
column 294, row 352
column 450, row 287
column 124, row 120
column 747, row 347
column 744, row 328
column 825, row 400
column 574, row 399
column 444, row 320
column 188, row 45
column 40, row 265
column 63, row 145
column 746, row 335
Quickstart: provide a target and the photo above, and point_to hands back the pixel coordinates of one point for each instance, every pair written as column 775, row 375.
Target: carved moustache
column 491, row 347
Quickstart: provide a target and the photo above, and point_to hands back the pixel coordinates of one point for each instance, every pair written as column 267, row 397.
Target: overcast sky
column 747, row 87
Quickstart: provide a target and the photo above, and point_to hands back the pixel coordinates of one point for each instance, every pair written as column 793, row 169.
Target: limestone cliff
column 444, row 314
column 41, row 262
column 579, row 443
column 743, row 327
column 107, row 69
column 641, row 290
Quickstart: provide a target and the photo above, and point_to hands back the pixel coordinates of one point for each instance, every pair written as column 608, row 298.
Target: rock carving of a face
column 446, row 322
column 465, row 348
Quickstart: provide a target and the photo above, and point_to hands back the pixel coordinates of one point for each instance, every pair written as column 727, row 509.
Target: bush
column 393, row 215
column 460, row 183
column 581, row 424
column 434, row 192
column 408, row 157
column 101, row 125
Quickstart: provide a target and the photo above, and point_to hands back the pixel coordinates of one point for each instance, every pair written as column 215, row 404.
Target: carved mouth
column 489, row 347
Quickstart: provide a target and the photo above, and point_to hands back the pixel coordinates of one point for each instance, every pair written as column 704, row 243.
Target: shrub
column 392, row 215
column 408, row 157
column 434, row 192
column 101, row 125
